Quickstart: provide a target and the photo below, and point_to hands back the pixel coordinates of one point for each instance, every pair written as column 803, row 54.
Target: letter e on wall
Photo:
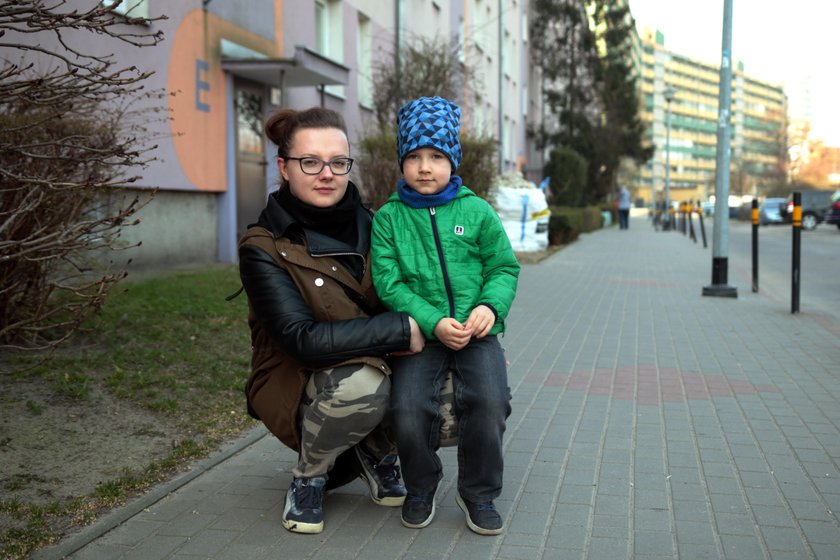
column 201, row 85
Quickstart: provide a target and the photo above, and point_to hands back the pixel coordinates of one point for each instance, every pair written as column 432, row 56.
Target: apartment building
column 225, row 65
column 758, row 123
column 494, row 36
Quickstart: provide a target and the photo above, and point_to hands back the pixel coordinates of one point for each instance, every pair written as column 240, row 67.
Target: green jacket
column 442, row 262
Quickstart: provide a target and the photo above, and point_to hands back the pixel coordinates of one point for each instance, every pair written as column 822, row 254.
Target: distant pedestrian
column 623, row 204
column 441, row 254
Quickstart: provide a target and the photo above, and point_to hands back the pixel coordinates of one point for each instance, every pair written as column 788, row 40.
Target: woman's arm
column 289, row 322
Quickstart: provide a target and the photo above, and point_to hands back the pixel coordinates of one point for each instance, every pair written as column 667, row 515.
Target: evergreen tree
column 563, row 48
column 620, row 132
column 583, row 50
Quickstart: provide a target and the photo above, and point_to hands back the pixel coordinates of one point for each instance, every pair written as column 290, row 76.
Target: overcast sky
column 794, row 43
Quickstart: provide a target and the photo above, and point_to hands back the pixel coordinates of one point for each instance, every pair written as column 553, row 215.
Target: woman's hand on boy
column 417, row 342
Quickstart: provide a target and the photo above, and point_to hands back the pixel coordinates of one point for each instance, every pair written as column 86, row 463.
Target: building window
column 249, row 117
column 509, row 55
column 509, row 145
column 322, row 31
column 329, row 35
column 461, row 38
column 328, row 29
column 364, row 72
column 130, row 8
column 479, row 24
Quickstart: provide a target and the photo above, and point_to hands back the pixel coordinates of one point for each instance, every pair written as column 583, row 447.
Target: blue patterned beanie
column 429, row 122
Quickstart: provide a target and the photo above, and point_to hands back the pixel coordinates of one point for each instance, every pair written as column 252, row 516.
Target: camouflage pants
column 448, row 420
column 343, row 406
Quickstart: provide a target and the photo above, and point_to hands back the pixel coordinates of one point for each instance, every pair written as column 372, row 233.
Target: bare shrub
column 379, row 170
column 428, row 67
column 68, row 137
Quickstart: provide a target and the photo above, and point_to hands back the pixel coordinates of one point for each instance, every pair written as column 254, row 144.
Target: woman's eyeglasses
column 313, row 166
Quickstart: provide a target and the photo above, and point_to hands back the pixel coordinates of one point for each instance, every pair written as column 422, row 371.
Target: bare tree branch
column 69, row 139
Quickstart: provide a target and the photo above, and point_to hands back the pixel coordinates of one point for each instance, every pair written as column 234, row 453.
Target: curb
column 76, row 541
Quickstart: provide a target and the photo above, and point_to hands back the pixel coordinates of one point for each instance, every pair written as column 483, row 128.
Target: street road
column 819, row 290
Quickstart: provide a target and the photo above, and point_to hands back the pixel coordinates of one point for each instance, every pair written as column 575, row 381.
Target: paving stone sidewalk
column 648, row 422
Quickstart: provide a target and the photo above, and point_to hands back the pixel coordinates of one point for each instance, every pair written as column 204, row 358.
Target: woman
column 319, row 380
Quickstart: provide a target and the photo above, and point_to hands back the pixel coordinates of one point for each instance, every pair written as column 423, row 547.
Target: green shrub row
column 567, row 223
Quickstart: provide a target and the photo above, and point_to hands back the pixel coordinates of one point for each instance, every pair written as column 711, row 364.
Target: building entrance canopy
column 306, row 68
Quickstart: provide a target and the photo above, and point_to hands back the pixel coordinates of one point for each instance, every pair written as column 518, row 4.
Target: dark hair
column 282, row 125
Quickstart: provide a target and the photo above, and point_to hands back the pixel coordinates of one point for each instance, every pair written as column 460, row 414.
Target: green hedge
column 566, row 224
column 567, row 170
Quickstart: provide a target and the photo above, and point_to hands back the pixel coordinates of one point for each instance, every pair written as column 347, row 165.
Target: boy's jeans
column 482, row 404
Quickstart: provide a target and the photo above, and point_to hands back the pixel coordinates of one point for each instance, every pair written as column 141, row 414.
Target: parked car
column 770, row 211
column 815, row 206
column 833, row 216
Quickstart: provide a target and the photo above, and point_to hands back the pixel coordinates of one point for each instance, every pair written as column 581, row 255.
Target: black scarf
column 337, row 222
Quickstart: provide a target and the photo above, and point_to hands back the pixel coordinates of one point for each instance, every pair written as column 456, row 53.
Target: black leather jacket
column 312, row 306
column 287, row 312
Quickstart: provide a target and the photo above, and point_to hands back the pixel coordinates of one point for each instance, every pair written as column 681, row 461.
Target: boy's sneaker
column 303, row 512
column 383, row 478
column 418, row 510
column 481, row 518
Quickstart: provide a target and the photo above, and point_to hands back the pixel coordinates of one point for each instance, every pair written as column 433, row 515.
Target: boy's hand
column 452, row 333
column 480, row 321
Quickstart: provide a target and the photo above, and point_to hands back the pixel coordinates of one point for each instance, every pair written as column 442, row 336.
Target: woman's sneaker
column 481, row 518
column 418, row 510
column 304, row 505
column 383, row 478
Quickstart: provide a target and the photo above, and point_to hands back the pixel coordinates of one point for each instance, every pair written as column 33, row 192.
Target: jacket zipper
column 442, row 263
column 364, row 260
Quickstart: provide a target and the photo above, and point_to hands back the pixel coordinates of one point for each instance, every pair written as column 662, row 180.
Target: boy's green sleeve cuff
column 427, row 325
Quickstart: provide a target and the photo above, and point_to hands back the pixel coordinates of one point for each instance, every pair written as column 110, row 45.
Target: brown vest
column 277, row 382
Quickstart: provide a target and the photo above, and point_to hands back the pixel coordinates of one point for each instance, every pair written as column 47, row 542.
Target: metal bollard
column 680, row 217
column 797, row 241
column 691, row 210
column 755, row 245
column 702, row 227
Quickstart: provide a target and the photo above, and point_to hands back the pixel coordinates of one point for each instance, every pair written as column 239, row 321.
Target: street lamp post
column 720, row 286
column 670, row 93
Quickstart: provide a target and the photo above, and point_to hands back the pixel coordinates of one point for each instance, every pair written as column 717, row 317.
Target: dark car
column 833, row 216
column 815, row 206
column 770, row 211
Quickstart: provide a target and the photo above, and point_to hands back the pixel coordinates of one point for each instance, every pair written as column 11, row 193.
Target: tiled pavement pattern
column 648, row 422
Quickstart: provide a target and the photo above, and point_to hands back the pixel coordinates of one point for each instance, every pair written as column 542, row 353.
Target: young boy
column 440, row 253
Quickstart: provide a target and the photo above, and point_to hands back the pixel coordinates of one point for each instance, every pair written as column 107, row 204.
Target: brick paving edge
column 76, row 541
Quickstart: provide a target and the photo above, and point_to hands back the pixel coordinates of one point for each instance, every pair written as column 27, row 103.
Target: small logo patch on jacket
column 459, row 230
